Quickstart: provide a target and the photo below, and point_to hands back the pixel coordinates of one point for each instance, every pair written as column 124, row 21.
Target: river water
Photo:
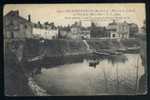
column 118, row 75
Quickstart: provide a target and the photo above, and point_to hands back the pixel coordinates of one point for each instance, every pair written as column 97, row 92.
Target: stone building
column 16, row 27
column 118, row 30
column 77, row 31
column 123, row 30
column 76, row 28
column 98, row 31
column 63, row 32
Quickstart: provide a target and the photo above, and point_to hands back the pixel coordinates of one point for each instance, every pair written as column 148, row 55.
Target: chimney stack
column 29, row 18
column 17, row 12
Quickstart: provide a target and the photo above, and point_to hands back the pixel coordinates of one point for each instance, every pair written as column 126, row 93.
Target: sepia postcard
column 75, row 49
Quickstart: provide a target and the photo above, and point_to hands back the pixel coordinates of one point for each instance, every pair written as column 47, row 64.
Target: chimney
column 125, row 22
column 39, row 22
column 14, row 13
column 29, row 18
column 114, row 21
column 17, row 13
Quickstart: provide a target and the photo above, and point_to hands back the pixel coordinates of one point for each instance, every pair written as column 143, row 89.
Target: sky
column 65, row 14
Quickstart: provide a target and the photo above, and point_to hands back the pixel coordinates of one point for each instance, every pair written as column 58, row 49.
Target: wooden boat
column 93, row 63
column 130, row 50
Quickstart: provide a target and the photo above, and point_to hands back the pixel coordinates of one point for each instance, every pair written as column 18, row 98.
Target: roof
column 113, row 23
column 15, row 15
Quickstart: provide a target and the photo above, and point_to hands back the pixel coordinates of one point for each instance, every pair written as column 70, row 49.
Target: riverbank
column 47, row 53
column 54, row 52
column 112, row 44
column 57, row 48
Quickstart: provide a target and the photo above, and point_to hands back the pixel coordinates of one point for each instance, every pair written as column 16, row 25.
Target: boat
column 130, row 50
column 108, row 52
column 93, row 63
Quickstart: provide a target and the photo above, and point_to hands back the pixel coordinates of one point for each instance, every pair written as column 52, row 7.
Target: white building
column 119, row 30
column 44, row 31
column 123, row 30
column 79, row 32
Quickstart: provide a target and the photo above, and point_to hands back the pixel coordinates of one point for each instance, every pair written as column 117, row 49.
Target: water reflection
column 94, row 60
column 111, row 76
column 117, row 59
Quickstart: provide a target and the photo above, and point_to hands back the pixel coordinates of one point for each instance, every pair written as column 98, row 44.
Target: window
column 12, row 35
column 113, row 35
column 25, row 26
column 11, row 23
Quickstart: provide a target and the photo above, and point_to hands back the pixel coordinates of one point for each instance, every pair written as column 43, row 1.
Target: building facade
column 123, row 30
column 99, row 32
column 79, row 32
column 17, row 27
column 45, row 31
column 119, row 30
